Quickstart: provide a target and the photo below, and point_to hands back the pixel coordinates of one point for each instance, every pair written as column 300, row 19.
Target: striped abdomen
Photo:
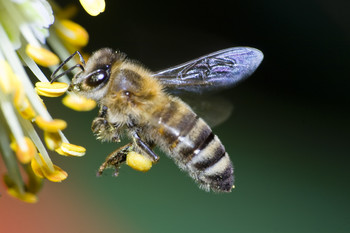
column 194, row 147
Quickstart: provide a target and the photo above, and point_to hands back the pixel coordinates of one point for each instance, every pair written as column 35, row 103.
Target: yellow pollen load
column 138, row 161
column 43, row 171
column 93, row 7
column 24, row 156
column 42, row 56
column 50, row 126
column 72, row 33
column 48, row 89
column 78, row 103
column 68, row 149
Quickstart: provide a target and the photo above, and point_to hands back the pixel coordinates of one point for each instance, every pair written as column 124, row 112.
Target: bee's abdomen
column 195, row 148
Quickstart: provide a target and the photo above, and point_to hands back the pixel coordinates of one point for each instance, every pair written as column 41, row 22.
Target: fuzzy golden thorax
column 133, row 93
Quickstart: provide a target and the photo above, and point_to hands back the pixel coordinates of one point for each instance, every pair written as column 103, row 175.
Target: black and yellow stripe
column 194, row 147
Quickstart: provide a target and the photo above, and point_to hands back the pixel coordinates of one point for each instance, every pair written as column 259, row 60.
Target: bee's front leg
column 116, row 159
column 103, row 129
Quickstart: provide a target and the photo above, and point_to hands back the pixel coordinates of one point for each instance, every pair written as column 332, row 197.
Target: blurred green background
column 288, row 136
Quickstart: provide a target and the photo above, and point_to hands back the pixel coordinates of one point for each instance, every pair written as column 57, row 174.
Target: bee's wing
column 213, row 109
column 212, row 72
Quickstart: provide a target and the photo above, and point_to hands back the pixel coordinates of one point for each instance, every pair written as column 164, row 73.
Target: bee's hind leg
column 116, row 159
column 145, row 148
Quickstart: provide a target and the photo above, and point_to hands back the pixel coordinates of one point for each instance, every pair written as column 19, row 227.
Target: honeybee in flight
column 137, row 102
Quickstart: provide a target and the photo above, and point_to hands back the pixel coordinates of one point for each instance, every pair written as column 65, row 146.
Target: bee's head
column 92, row 79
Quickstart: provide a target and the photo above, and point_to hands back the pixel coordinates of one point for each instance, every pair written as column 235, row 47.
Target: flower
column 27, row 27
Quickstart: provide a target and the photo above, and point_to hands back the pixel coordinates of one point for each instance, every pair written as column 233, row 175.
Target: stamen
column 32, row 65
column 10, row 116
column 68, row 149
column 51, row 89
column 33, row 183
column 41, row 170
column 29, row 128
column 24, row 156
column 72, row 32
column 25, row 109
column 9, row 83
column 78, row 103
column 25, row 196
column 42, row 56
column 93, row 7
column 52, row 140
column 6, row 77
column 51, row 126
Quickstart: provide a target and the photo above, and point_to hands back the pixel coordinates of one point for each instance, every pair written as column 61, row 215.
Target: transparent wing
column 213, row 109
column 216, row 71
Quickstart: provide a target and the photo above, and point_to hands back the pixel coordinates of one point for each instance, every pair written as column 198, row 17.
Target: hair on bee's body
column 133, row 101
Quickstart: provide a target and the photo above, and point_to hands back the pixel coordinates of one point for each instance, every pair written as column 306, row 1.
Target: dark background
column 288, row 136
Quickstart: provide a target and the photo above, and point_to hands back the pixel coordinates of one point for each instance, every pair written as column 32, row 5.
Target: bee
column 144, row 106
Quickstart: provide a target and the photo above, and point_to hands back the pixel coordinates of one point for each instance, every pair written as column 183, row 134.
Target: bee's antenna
column 53, row 75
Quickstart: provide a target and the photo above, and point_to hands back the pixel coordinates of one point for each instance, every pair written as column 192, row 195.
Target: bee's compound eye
column 97, row 77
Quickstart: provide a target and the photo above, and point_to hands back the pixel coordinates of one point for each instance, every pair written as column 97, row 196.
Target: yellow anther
column 42, row 56
column 43, row 171
column 21, row 102
column 72, row 32
column 7, row 77
column 93, row 7
column 26, row 110
column 52, row 140
column 48, row 89
column 50, row 126
column 138, row 161
column 47, row 94
column 57, row 176
column 24, row 156
column 26, row 196
column 68, row 149
column 14, row 191
column 61, row 152
column 37, row 168
column 78, row 103
column 19, row 96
